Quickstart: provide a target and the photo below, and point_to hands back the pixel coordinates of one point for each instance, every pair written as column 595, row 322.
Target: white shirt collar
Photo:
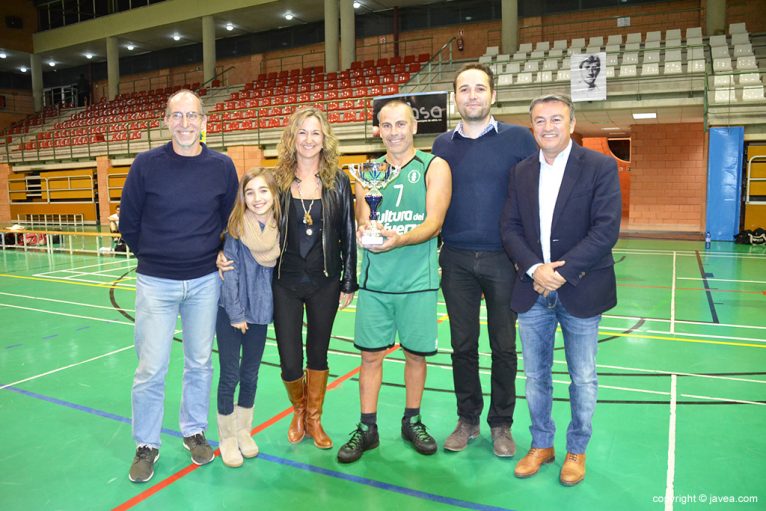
column 561, row 158
column 491, row 125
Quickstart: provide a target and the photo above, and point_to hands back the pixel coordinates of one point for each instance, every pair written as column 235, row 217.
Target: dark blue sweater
column 480, row 169
column 174, row 209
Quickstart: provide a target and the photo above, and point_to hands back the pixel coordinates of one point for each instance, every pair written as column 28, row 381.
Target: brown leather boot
column 573, row 470
column 296, row 391
column 316, row 385
column 531, row 463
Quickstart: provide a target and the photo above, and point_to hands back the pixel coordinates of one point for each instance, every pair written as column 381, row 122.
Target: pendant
column 309, row 231
column 307, row 218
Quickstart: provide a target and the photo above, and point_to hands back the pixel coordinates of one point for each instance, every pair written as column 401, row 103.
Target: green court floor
column 679, row 425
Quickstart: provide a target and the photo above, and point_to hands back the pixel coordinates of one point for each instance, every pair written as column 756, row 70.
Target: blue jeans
column 537, row 327
column 158, row 304
column 235, row 370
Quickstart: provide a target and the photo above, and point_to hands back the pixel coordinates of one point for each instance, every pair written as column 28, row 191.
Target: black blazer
column 585, row 227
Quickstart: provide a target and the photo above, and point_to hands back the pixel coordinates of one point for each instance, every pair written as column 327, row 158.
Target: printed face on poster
column 588, row 76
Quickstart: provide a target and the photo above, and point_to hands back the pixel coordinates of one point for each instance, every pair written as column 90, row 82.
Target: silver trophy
column 373, row 176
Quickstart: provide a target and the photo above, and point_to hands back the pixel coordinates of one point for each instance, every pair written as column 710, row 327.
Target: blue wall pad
column 724, row 182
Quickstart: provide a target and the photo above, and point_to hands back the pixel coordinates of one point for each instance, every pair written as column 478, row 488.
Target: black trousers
column 466, row 276
column 321, row 305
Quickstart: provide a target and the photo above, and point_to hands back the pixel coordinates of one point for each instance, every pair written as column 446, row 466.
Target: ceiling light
column 130, row 46
column 176, row 37
column 52, row 64
column 611, row 129
column 288, row 16
column 3, row 55
column 646, row 115
column 23, row 69
column 88, row 56
column 357, row 5
column 229, row 27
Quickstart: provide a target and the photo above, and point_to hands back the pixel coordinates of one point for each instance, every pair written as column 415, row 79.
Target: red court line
column 192, row 467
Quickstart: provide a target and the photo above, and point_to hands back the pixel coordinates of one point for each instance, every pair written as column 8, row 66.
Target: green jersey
column 412, row 268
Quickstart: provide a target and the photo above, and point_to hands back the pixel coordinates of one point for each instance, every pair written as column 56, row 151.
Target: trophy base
column 372, row 239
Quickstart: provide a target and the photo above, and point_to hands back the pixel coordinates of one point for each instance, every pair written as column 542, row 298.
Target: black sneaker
column 363, row 438
column 415, row 431
column 142, row 468
column 201, row 452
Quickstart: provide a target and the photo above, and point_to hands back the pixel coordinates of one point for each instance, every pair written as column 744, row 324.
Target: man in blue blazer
column 559, row 225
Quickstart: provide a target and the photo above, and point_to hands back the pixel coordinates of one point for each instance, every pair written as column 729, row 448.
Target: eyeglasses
column 190, row 116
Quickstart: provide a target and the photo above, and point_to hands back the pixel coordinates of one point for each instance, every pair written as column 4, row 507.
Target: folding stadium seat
column 723, row 81
column 531, row 66
column 752, row 93
column 609, row 72
column 627, row 70
column 395, row 60
column 651, row 56
column 630, row 58
column 750, row 79
column 504, row 80
column 519, row 55
column 537, row 54
column 717, row 40
column 746, row 63
column 725, row 96
column 526, row 47
column 740, row 39
column 544, row 77
column 719, row 52
column 503, row 57
column 611, row 59
column 390, row 89
column 673, row 37
column 550, row 65
column 743, row 50
column 576, row 44
column 673, row 68
column 524, row 78
column 672, row 56
column 555, row 53
column 542, row 46
column 492, row 50
column 722, row 64
column 737, row 28
column 652, row 40
column 596, row 41
column 695, row 53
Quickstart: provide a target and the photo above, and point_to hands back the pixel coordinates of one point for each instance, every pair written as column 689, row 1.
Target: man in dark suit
column 559, row 225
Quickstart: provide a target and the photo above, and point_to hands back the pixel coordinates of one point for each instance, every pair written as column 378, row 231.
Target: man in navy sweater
column 175, row 205
column 481, row 153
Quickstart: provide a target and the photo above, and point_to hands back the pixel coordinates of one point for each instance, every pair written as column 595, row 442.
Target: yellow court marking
column 60, row 281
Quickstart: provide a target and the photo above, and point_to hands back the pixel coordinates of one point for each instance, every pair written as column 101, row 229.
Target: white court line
column 669, row 490
column 679, row 322
column 65, row 367
column 706, row 336
column 86, row 281
column 673, row 297
column 727, row 399
column 725, row 280
column 65, row 314
column 686, row 253
column 679, row 373
column 92, row 266
column 65, row 301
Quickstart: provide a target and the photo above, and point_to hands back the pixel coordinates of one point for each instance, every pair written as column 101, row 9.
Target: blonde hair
column 328, row 157
column 235, row 227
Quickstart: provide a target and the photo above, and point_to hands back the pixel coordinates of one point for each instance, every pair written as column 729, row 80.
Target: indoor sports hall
column 681, row 359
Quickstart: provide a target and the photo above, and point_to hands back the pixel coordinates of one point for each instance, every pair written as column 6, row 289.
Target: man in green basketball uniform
column 399, row 280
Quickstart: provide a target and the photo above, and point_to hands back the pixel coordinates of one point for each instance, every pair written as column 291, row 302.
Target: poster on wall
column 429, row 109
column 587, row 76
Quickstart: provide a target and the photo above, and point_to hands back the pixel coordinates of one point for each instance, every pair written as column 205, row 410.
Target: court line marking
column 673, row 297
column 52, row 371
column 64, row 281
column 669, row 481
column 270, row 458
column 89, row 305
column 104, row 320
column 679, row 373
column 725, row 280
column 729, row 337
column 727, row 399
column 131, row 266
